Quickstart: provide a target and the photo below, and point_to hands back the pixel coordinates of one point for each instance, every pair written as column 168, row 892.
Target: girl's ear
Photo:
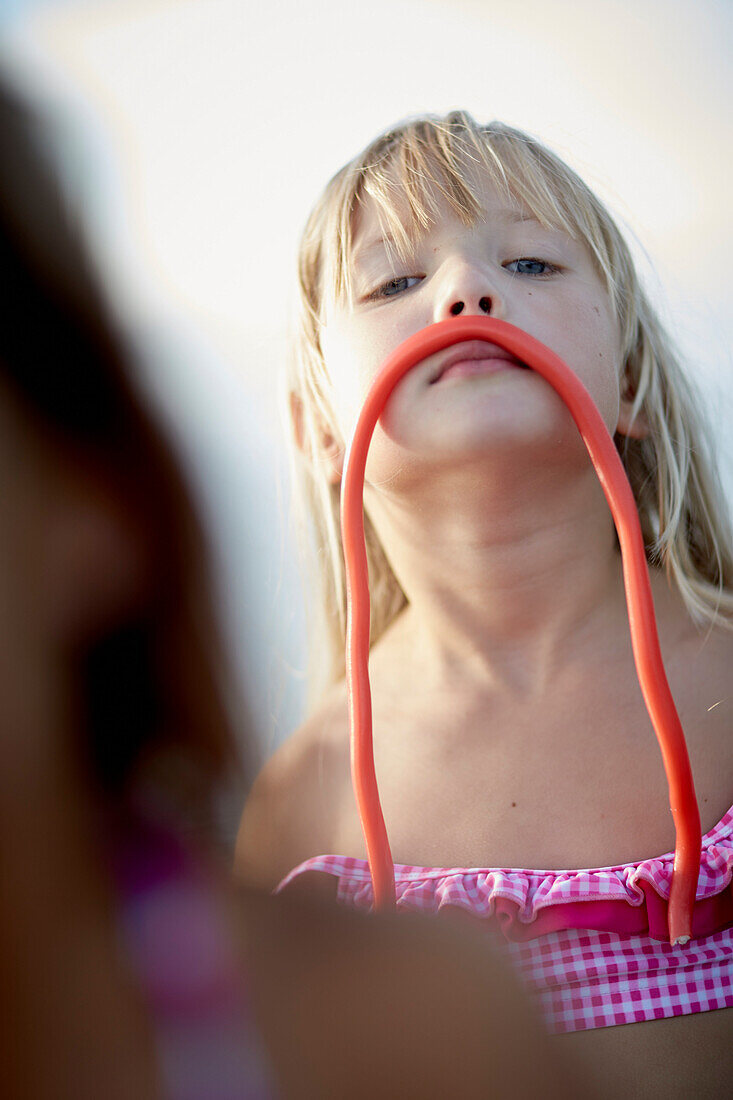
column 297, row 421
column 330, row 449
column 636, row 427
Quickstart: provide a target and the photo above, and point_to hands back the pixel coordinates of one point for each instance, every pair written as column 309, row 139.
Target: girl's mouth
column 475, row 357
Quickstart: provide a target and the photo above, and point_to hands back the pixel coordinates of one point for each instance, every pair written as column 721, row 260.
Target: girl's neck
column 513, row 578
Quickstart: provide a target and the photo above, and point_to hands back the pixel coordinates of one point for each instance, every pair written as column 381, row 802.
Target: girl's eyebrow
column 510, row 215
column 371, row 246
column 517, row 216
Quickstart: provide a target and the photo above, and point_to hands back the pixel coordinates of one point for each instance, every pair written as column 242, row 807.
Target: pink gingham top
column 590, row 945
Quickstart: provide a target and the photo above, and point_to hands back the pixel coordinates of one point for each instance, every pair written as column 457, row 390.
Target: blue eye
column 395, row 286
column 530, row 266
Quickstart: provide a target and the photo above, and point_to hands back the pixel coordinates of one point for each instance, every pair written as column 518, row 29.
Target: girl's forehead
column 380, row 225
column 394, row 209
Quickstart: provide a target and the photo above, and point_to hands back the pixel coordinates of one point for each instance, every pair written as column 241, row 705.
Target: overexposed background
column 201, row 132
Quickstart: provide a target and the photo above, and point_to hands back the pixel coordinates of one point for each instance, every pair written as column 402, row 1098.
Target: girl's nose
column 468, row 290
column 484, row 306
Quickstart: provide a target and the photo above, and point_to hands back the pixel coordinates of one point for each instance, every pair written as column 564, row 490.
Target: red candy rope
column 642, row 622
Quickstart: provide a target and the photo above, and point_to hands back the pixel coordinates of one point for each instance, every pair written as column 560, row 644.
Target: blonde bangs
column 411, row 174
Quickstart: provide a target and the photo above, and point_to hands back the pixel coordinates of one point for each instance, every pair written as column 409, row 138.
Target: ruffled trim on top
column 631, row 898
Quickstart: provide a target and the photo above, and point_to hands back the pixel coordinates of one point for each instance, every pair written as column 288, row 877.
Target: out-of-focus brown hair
column 153, row 682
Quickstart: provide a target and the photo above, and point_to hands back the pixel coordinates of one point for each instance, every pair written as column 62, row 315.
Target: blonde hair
column 681, row 506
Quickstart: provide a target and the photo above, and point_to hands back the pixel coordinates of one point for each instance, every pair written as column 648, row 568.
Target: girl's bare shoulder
column 294, row 807
column 699, row 670
column 701, row 662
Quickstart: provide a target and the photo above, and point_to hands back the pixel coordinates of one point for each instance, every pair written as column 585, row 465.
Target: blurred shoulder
column 295, row 805
column 411, row 1006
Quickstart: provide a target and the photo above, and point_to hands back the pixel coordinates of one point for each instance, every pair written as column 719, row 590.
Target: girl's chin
column 430, row 459
column 471, row 432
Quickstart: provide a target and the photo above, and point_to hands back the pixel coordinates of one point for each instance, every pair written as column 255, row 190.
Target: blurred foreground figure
column 129, row 967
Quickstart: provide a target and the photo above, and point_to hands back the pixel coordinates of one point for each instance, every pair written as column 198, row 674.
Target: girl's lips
column 465, row 368
column 475, row 357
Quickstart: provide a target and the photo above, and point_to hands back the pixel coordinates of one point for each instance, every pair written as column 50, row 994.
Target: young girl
column 509, row 728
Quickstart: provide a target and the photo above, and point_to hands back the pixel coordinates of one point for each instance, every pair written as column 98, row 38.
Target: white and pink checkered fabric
column 584, row 979
column 589, row 965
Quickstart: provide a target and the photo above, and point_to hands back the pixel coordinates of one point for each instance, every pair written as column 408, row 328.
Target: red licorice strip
column 642, row 622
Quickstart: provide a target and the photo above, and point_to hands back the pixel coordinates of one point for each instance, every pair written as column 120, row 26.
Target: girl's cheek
column 347, row 393
column 601, row 361
column 352, row 359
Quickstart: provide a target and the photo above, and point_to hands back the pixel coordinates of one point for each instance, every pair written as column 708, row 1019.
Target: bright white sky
column 209, row 127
